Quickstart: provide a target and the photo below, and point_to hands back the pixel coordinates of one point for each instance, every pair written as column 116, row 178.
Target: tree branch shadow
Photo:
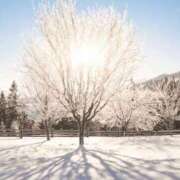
column 89, row 164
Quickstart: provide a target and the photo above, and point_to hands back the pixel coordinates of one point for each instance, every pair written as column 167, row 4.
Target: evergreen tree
column 3, row 108
column 12, row 111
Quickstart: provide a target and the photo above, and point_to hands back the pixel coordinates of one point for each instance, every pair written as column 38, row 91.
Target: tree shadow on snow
column 21, row 146
column 89, row 164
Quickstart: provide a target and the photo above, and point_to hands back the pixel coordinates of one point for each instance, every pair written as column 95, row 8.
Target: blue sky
column 157, row 23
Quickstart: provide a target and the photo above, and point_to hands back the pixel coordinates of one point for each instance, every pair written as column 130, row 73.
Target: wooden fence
column 74, row 133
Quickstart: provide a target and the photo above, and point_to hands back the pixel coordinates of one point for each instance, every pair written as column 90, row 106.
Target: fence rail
column 74, row 133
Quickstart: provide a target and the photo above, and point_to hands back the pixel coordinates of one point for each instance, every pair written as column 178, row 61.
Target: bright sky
column 157, row 23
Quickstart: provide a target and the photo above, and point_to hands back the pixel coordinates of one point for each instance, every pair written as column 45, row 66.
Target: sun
column 87, row 55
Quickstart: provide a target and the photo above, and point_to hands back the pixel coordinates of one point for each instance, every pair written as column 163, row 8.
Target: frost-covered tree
column 123, row 108
column 83, row 57
column 41, row 102
column 130, row 109
column 22, row 117
column 167, row 102
column 143, row 116
column 3, row 109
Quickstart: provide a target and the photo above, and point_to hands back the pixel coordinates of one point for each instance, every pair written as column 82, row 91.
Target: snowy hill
column 149, row 83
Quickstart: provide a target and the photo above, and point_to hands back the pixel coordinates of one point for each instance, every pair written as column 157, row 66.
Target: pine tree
column 3, row 108
column 12, row 106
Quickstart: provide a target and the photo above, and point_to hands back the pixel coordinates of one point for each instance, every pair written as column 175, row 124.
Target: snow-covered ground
column 101, row 158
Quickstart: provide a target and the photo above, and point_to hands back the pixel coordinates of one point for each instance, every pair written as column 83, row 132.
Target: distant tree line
column 152, row 107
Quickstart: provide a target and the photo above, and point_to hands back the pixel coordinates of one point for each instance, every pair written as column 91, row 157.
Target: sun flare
column 86, row 56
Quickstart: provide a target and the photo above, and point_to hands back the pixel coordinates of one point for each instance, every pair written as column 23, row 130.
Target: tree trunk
column 81, row 135
column 47, row 130
column 124, row 131
column 51, row 128
column 20, row 129
column 20, row 132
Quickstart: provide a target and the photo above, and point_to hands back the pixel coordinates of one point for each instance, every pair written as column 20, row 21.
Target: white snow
column 101, row 158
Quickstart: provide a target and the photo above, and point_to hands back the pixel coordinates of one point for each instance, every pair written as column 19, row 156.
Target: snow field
column 108, row 158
